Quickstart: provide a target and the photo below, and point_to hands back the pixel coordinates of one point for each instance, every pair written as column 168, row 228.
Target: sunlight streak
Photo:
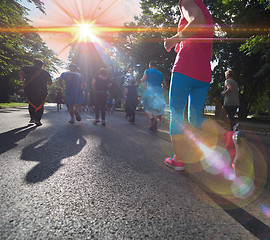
column 215, row 163
column 265, row 210
column 99, row 29
column 106, row 9
column 65, row 11
column 86, row 33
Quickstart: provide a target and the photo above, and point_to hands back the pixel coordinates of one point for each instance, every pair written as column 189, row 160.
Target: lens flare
column 214, row 171
column 265, row 210
column 242, row 187
column 85, row 33
column 214, row 162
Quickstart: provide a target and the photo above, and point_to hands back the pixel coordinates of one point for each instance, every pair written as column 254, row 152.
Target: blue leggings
column 182, row 88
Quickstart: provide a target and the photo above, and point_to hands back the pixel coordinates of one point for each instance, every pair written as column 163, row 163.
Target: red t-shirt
column 195, row 53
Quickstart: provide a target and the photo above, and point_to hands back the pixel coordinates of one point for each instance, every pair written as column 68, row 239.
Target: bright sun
column 86, row 33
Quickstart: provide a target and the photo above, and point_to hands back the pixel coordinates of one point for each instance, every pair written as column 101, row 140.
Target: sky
column 62, row 14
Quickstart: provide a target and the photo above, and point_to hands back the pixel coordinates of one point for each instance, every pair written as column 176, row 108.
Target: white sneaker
column 71, row 121
column 237, row 136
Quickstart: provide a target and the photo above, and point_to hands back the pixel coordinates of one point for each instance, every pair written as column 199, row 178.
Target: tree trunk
column 243, row 111
column 218, row 109
column 4, row 89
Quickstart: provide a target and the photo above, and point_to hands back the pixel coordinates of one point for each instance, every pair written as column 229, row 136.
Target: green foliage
column 18, row 49
column 52, row 91
column 249, row 59
column 12, row 104
column 260, row 45
column 131, row 53
column 138, row 48
column 39, row 4
column 90, row 57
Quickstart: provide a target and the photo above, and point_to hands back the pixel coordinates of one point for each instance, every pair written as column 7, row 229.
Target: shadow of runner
column 9, row 110
column 209, row 168
column 9, row 139
column 248, row 221
column 50, row 152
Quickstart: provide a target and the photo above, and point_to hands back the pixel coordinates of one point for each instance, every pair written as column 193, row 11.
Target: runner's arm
column 83, row 83
column 164, row 85
column 195, row 17
column 228, row 89
column 144, row 78
column 125, row 93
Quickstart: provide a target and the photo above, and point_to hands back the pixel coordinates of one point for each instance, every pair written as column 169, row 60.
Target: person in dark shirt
column 35, row 81
column 59, row 99
column 131, row 100
column 100, row 85
column 74, row 91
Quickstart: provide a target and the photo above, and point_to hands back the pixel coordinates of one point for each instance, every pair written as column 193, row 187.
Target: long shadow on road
column 9, row 139
column 66, row 142
column 199, row 177
column 247, row 220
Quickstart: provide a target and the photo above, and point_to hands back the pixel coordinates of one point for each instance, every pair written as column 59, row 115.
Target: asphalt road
column 85, row 181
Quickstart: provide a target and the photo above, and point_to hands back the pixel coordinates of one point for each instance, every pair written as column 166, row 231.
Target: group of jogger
column 190, row 81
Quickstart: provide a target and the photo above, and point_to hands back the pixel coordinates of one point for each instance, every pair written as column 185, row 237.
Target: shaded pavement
column 85, row 181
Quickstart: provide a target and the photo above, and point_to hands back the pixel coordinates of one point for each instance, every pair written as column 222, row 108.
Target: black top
column 132, row 95
column 102, row 85
column 36, row 80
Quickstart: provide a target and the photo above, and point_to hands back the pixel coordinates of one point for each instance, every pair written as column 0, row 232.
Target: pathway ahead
column 85, row 181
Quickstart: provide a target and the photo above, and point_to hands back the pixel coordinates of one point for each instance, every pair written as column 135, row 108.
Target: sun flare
column 85, row 33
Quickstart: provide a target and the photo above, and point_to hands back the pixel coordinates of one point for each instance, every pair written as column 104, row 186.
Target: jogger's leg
column 31, row 110
column 39, row 113
column 179, row 92
column 103, row 103
column 231, row 110
column 71, row 111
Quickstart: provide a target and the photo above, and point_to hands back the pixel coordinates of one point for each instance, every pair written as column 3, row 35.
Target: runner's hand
column 168, row 44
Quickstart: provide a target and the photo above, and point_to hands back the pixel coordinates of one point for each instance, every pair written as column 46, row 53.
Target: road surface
column 85, row 181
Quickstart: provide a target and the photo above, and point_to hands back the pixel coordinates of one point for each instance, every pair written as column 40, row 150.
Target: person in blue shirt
column 153, row 99
column 74, row 91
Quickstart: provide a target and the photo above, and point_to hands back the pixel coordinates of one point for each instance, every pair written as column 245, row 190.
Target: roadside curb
column 243, row 127
column 254, row 131
column 262, row 133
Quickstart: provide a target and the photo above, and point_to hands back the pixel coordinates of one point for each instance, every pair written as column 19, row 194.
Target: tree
column 158, row 19
column 233, row 18
column 18, row 49
column 249, row 58
column 39, row 4
column 90, row 57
